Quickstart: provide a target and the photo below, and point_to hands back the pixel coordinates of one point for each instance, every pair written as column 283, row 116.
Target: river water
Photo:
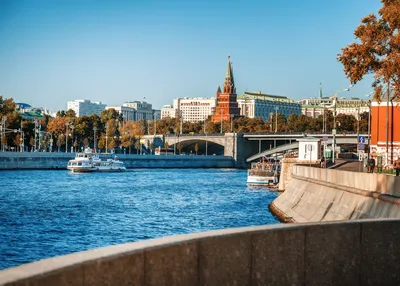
column 50, row 213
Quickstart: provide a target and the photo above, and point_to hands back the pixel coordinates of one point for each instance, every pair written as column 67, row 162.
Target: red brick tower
column 227, row 100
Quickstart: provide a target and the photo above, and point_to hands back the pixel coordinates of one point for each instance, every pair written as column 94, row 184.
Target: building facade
column 168, row 111
column 156, row 114
column 313, row 107
column 257, row 104
column 84, row 107
column 128, row 113
column 227, row 106
column 190, row 109
column 385, row 129
column 195, row 109
column 144, row 110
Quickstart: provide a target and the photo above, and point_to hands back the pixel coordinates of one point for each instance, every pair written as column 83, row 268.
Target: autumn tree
column 376, row 50
column 180, row 147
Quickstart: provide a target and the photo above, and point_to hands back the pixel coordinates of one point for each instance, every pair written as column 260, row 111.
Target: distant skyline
column 116, row 51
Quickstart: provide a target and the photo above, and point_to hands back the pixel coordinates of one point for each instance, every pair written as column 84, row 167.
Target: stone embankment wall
column 338, row 253
column 44, row 160
column 315, row 194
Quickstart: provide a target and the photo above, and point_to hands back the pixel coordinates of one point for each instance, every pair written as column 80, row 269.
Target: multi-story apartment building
column 84, row 107
column 191, row 109
column 128, row 113
column 257, row 104
column 144, row 110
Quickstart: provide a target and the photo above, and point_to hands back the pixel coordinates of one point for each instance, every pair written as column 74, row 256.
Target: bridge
column 243, row 147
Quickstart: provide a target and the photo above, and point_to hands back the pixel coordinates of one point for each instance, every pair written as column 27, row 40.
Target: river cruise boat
column 89, row 161
column 263, row 173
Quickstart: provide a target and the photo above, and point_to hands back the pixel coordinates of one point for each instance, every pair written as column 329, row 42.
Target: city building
column 227, row 106
column 156, row 114
column 28, row 112
column 385, row 129
column 128, row 113
column 168, row 111
column 257, row 104
column 195, row 109
column 84, row 107
column 144, row 110
column 313, row 107
column 191, row 109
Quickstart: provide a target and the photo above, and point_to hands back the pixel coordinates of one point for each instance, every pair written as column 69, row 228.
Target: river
column 50, row 213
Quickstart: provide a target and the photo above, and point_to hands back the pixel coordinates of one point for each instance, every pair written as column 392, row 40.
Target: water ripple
column 49, row 213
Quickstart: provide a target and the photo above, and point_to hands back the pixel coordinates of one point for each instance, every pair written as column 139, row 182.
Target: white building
column 195, row 109
column 84, row 107
column 313, row 107
column 144, row 110
column 128, row 113
column 191, row 109
column 256, row 104
column 168, row 111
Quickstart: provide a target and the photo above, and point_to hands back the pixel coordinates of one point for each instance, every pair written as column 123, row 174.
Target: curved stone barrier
column 315, row 194
column 363, row 252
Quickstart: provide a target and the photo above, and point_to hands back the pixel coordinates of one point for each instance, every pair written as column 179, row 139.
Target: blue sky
column 117, row 51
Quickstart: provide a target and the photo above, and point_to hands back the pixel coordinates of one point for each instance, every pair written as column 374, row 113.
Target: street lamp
column 181, row 114
column 276, row 118
column 334, row 120
column 232, row 122
column 220, row 116
column 205, row 132
column 3, row 132
column 66, row 136
column 94, row 139
column 106, row 138
column 72, row 142
column 369, row 124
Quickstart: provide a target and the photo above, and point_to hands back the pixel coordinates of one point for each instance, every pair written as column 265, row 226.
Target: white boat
column 263, row 174
column 89, row 161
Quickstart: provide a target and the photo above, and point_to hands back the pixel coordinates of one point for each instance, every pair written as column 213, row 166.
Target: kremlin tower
column 227, row 105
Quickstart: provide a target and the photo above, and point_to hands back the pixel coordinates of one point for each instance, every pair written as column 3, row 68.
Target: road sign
column 360, row 156
column 360, row 146
column 325, row 138
column 361, row 139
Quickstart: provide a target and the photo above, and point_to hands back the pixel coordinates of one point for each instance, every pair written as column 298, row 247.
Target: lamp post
column 205, row 132
column 276, row 118
column 107, row 138
column 66, row 136
column 72, row 142
column 334, row 120
column 3, row 132
column 94, row 139
column 180, row 131
column 232, row 122
column 220, row 116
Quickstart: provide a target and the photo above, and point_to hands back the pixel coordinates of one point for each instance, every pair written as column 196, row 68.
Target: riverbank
column 51, row 161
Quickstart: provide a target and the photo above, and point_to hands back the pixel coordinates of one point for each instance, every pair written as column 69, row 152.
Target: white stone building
column 191, row 109
column 84, row 107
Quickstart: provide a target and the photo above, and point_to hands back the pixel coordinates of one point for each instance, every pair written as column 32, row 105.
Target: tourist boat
column 263, row 173
column 89, row 161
